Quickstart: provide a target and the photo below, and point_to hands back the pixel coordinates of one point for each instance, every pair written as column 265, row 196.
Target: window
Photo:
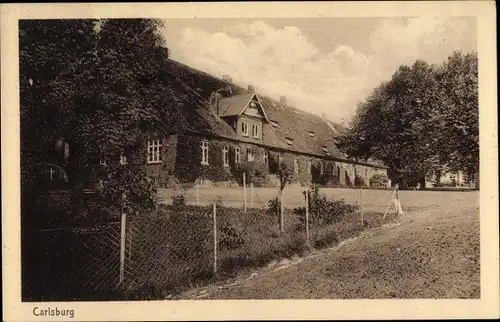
column 325, row 151
column 154, row 151
column 289, row 141
column 237, row 155
column 366, row 172
column 225, row 156
column 123, row 159
column 311, row 134
column 274, row 123
column 255, row 130
column 204, row 152
column 66, row 150
column 295, row 166
column 321, row 168
column 309, row 167
column 265, row 157
column 51, row 172
column 250, row 155
column 244, row 128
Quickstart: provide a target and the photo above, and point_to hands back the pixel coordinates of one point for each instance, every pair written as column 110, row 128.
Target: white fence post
column 361, row 202
column 215, row 237
column 307, row 220
column 251, row 191
column 122, row 246
column 198, row 193
column 244, row 192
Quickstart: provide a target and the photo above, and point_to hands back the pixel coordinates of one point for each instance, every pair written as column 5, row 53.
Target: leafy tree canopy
column 424, row 120
column 97, row 84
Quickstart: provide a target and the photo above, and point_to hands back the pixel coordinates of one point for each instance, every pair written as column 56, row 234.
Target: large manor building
column 229, row 128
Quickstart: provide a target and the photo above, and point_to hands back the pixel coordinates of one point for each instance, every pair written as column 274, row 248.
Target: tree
column 456, row 118
column 285, row 174
column 391, row 125
column 101, row 85
column 54, row 57
column 423, row 121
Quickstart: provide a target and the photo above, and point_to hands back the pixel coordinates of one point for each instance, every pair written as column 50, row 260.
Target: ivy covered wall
column 182, row 159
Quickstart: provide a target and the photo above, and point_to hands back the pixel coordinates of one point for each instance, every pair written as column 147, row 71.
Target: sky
column 323, row 65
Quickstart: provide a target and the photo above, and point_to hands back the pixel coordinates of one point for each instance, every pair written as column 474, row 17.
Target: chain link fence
column 181, row 246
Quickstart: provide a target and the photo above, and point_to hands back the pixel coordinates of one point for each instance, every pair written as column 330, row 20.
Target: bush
column 358, row 181
column 379, row 180
column 179, row 200
column 323, row 211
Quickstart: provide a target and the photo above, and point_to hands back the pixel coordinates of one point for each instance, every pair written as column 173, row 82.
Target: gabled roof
column 237, row 104
column 198, row 86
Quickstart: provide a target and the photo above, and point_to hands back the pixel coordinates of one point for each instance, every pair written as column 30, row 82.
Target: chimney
column 227, row 79
column 251, row 88
column 283, row 100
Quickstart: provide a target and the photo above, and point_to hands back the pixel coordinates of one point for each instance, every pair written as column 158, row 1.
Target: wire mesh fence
column 70, row 262
column 181, row 246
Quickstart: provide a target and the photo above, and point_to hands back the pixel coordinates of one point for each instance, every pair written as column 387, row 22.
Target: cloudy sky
column 324, row 65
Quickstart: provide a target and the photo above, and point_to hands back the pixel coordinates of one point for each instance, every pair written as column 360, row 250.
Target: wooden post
column 361, row 202
column 307, row 220
column 244, row 192
column 251, row 191
column 122, row 246
column 390, row 201
column 197, row 194
column 215, row 238
column 399, row 211
column 282, row 224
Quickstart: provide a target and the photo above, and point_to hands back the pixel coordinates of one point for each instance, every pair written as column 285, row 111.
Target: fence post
column 282, row 212
column 122, row 246
column 251, row 191
column 307, row 220
column 215, row 237
column 399, row 211
column 244, row 192
column 361, row 202
column 197, row 193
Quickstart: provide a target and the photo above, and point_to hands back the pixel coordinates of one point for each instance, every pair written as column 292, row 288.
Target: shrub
column 273, row 206
column 179, row 200
column 324, row 211
column 379, row 180
column 358, row 181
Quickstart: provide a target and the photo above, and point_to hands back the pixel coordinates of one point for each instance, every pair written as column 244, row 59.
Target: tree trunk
column 422, row 183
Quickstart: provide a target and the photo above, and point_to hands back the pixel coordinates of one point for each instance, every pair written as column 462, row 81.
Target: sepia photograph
column 249, row 158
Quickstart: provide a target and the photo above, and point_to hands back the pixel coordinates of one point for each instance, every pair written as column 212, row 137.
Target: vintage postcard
column 249, row 161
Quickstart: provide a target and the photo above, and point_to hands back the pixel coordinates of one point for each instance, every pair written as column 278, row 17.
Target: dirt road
column 434, row 253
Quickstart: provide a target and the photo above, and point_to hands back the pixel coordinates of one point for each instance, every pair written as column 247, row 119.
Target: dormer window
column 289, row 141
column 244, row 128
column 274, row 123
column 312, row 135
column 325, row 151
column 255, row 131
